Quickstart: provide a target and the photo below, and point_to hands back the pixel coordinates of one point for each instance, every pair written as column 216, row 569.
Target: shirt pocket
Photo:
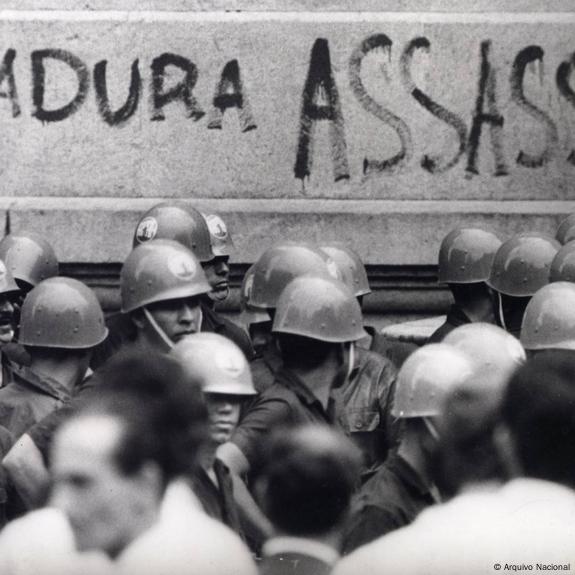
column 362, row 420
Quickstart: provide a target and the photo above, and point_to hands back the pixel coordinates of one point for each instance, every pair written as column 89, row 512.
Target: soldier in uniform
column 465, row 259
column 520, row 267
column 316, row 321
column 403, row 486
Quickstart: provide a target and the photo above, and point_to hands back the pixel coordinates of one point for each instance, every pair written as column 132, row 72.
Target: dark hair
column 539, row 409
column 300, row 351
column 308, row 476
column 163, row 412
column 466, row 451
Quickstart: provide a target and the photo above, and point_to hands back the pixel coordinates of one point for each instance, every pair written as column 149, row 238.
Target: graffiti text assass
column 320, row 103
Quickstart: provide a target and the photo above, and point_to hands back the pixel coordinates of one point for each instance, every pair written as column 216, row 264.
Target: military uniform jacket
column 28, row 398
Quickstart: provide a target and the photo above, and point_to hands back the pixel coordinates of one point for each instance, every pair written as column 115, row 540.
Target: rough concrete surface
column 384, row 129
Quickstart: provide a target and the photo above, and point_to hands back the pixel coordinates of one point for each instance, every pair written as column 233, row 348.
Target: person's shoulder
column 196, row 544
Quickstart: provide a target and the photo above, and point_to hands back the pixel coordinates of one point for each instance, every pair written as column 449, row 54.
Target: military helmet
column 466, row 255
column 216, row 362
column 563, row 264
column 320, row 308
column 62, row 313
column 220, row 238
column 521, row 264
column 178, row 222
column 350, row 267
column 426, row 377
column 495, row 353
column 160, row 270
column 280, row 264
column 566, row 230
column 549, row 320
column 7, row 283
column 28, row 257
column 250, row 314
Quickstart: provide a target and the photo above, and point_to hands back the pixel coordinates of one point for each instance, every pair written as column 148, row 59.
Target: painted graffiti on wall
column 320, row 102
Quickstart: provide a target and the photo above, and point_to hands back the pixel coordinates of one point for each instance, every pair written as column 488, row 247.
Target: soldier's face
column 217, row 272
column 224, row 415
column 177, row 318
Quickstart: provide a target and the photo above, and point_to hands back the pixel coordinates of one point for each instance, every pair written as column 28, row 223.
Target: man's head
column 465, row 259
column 423, row 382
column 161, row 285
column 217, row 270
column 539, row 413
column 307, row 480
column 112, row 460
column 317, row 320
column 221, row 369
column 61, row 317
column 520, row 268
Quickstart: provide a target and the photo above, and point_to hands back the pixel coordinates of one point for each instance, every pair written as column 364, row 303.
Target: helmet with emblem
column 521, row 265
column 29, row 258
column 428, row 375
column 549, row 320
column 216, row 363
column 7, row 282
column 160, row 270
column 319, row 307
column 178, row 222
column 220, row 238
column 466, row 255
column 282, row 263
column 350, row 267
column 62, row 313
column 563, row 265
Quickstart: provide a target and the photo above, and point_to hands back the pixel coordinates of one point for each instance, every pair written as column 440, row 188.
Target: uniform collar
column 25, row 377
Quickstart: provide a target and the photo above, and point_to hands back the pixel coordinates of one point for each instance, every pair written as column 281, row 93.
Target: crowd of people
column 298, row 441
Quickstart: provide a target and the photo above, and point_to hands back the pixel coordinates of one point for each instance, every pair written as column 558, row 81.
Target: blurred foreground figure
column 465, row 259
column 119, row 484
column 528, row 521
column 403, row 486
column 306, row 485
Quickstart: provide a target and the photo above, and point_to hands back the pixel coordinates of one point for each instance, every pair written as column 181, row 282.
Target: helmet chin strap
column 158, row 330
column 500, row 311
column 431, row 428
column 350, row 359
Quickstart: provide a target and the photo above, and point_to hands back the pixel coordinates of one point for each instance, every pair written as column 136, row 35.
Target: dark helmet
column 320, row 308
column 160, row 270
column 563, row 264
column 549, row 320
column 28, row 257
column 62, row 313
column 521, row 264
column 282, row 263
column 350, row 267
column 178, row 222
column 466, row 255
